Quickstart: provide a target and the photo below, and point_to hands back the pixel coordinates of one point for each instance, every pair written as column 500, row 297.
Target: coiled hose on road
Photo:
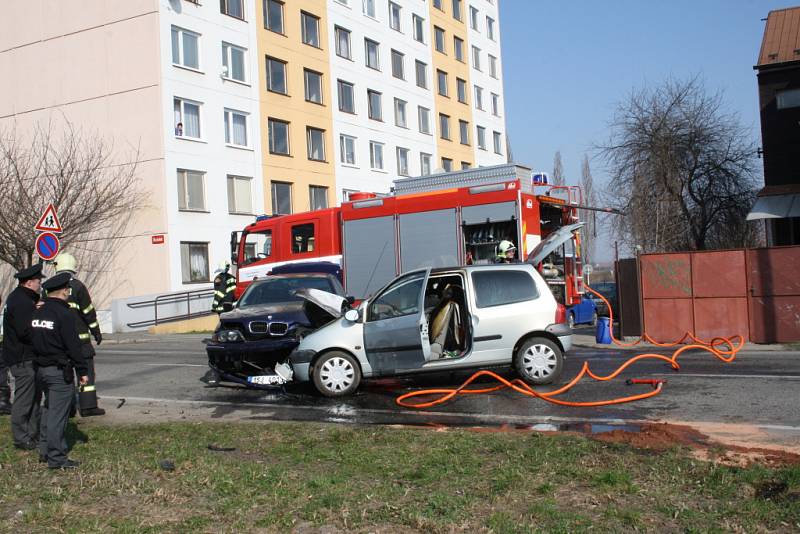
column 724, row 349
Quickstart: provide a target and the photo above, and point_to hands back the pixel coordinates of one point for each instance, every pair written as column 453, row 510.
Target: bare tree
column 558, row 169
column 682, row 170
column 95, row 196
column 589, row 232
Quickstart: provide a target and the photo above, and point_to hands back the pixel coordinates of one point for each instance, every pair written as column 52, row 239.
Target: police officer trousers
column 25, row 410
column 58, row 398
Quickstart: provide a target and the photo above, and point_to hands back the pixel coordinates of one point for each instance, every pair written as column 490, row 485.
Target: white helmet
column 224, row 266
column 65, row 262
column 506, row 246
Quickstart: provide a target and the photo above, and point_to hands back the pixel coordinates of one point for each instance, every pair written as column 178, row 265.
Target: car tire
column 336, row 374
column 571, row 320
column 539, row 361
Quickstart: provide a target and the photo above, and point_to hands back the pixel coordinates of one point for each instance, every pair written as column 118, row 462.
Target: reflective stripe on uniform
column 231, row 281
column 219, row 293
column 74, row 305
column 85, row 389
column 230, row 288
column 93, row 325
column 83, row 336
column 88, row 308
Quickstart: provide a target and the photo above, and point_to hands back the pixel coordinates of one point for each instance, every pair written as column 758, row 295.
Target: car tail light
column 561, row 314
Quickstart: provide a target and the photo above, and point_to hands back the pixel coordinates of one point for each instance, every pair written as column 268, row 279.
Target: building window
column 481, row 137
column 394, row 16
column 346, row 194
column 313, row 86
column 463, row 132
column 495, row 105
column 476, row 58
column 458, row 48
column 438, row 38
column 465, row 165
column 281, row 198
column 473, row 18
column 194, row 262
column 233, row 62
column 347, row 102
column 316, row 143
column 234, row 8
column 447, row 164
column 317, row 197
column 185, row 48
column 278, row 137
column 441, row 80
column 187, row 118
column 492, row 66
column 444, row 126
column 342, row 42
column 457, row 9
column 421, row 70
column 402, row 161
column 240, row 195
column 788, row 99
column 490, row 28
column 397, row 65
column 461, row 90
column 236, row 128
column 376, row 155
column 438, row 5
column 419, row 29
column 424, row 164
column 347, row 149
column 191, row 190
column 400, row 117
column 276, row 76
column 273, row 16
column 424, row 116
column 310, row 29
column 372, row 56
column 369, row 8
column 375, row 105
column 498, row 143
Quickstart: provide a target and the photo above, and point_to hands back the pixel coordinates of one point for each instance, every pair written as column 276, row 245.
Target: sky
column 567, row 63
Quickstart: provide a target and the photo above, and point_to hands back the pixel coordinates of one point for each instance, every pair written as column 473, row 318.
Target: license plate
column 266, row 380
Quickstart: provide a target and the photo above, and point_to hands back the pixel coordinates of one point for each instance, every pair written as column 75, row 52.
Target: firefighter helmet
column 506, row 246
column 65, row 262
column 224, row 266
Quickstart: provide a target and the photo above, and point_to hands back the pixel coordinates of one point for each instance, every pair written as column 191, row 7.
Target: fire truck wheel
column 336, row 374
column 539, row 361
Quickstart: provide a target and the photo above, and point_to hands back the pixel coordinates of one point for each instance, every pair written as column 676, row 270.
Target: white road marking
column 703, row 375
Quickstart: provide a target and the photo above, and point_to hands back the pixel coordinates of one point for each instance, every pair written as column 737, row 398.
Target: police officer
column 506, row 252
column 88, row 327
column 224, row 286
column 18, row 355
column 58, row 356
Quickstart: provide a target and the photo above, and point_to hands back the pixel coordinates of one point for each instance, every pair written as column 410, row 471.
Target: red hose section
column 724, row 349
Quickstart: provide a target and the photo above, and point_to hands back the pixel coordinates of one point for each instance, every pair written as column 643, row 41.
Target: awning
column 775, row 207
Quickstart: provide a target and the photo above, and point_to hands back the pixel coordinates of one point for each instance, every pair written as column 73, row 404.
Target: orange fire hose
column 724, row 349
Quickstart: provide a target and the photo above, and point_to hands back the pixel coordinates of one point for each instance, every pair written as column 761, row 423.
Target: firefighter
column 18, row 355
column 224, row 286
column 88, row 327
column 58, row 356
column 506, row 252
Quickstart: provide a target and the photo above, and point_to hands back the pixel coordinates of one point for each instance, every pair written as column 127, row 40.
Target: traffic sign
column 47, row 245
column 48, row 222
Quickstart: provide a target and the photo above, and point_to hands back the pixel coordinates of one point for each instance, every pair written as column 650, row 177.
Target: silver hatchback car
column 439, row 319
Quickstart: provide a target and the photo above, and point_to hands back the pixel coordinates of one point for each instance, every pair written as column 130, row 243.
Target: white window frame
column 424, row 80
column 367, row 42
column 442, row 88
column 188, row 247
column 272, row 189
column 418, row 28
column 182, row 120
column 373, row 146
column 370, row 108
column 228, row 114
column 343, row 141
column 403, row 154
column 476, row 58
column 400, row 112
column 426, row 113
column 306, row 94
column 309, row 143
column 339, row 85
column 463, row 132
column 395, row 17
column 492, row 66
column 444, row 127
column 447, row 164
column 303, row 32
column 490, row 28
column 402, row 56
column 311, row 189
column 495, row 104
column 337, row 30
column 437, row 31
column 458, row 10
column 473, row 18
column 367, row 6
column 267, row 18
column 458, row 51
column 270, row 144
column 242, row 7
column 227, row 63
column 234, row 179
column 461, row 91
column 269, row 59
column 478, row 97
column 425, row 160
column 497, row 142
column 481, row 137
column 180, row 63
column 183, row 203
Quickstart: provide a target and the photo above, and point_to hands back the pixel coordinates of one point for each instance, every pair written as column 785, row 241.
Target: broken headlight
column 229, row 336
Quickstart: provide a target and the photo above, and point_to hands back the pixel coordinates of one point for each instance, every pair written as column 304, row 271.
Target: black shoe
column 68, row 464
column 28, row 446
column 92, row 412
column 42, row 459
column 5, row 408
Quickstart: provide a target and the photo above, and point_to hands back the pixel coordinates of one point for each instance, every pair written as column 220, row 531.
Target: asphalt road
column 759, row 388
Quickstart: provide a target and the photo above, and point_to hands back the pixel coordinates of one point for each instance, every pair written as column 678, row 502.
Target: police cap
column 34, row 271
column 57, row 282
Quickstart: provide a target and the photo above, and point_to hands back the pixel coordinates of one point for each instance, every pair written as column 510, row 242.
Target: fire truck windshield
column 256, row 246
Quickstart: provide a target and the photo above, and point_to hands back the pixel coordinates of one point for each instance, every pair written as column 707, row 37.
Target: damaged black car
column 257, row 334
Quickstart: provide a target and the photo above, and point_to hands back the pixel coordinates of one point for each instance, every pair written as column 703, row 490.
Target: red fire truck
column 439, row 220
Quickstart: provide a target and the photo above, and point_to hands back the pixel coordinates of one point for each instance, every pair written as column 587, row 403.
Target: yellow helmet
column 65, row 262
column 506, row 246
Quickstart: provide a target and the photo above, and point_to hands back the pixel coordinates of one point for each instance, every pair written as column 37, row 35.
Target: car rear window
column 495, row 288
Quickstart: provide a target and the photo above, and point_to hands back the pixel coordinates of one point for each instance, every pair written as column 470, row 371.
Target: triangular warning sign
column 48, row 222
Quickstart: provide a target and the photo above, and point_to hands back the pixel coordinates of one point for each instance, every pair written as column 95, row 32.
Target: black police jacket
column 20, row 305
column 55, row 338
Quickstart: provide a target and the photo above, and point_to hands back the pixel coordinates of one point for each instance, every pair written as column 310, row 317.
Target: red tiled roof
column 781, row 42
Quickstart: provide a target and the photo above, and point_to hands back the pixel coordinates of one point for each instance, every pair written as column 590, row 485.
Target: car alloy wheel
column 336, row 374
column 539, row 361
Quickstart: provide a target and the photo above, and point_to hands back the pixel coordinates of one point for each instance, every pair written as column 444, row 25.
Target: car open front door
column 395, row 325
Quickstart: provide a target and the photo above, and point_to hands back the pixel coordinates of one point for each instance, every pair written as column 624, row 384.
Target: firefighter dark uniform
column 18, row 355
column 58, row 356
column 224, row 287
column 88, row 328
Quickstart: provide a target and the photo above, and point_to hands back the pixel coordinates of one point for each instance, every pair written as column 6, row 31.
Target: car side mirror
column 227, row 306
column 350, row 300
column 352, row 316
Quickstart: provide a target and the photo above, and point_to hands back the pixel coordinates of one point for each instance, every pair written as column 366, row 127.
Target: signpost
column 47, row 243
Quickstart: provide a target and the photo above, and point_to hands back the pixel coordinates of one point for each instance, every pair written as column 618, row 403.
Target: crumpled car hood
column 331, row 304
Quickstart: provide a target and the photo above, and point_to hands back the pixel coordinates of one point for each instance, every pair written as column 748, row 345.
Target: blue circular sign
column 47, row 245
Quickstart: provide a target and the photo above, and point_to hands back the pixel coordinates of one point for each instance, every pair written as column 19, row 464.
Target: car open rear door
column 395, row 326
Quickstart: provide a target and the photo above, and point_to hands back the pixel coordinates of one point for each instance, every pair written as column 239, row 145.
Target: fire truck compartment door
column 497, row 212
column 428, row 239
column 553, row 241
column 370, row 255
column 395, row 328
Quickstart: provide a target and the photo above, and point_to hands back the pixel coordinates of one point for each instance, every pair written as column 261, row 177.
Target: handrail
column 172, row 298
